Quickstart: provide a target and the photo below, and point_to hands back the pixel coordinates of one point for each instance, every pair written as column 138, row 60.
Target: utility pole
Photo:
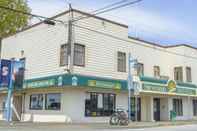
column 70, row 49
column 9, row 100
column 131, row 64
column 129, row 88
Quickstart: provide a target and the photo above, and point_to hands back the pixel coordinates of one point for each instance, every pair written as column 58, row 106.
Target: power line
column 109, row 35
column 125, row 40
column 79, row 18
column 105, row 7
column 30, row 14
column 108, row 6
column 110, row 9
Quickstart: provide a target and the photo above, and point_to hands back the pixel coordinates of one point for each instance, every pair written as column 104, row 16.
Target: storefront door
column 133, row 117
column 156, row 109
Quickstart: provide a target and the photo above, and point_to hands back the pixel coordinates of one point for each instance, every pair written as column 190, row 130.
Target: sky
column 166, row 22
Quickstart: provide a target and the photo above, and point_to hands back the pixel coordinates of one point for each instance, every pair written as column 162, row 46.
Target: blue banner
column 18, row 73
column 5, row 73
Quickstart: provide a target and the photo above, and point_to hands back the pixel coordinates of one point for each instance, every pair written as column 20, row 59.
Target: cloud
column 148, row 24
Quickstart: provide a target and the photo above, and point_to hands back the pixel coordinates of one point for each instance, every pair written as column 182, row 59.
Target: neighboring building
column 167, row 76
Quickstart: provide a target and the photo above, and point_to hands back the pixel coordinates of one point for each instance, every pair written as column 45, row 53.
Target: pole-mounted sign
column 5, row 73
column 11, row 75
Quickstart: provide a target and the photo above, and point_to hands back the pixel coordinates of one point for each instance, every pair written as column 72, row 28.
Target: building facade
column 165, row 76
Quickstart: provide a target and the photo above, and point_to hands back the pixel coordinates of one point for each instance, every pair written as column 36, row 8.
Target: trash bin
column 172, row 115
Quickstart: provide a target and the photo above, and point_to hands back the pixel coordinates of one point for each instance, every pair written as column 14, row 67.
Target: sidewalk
column 88, row 126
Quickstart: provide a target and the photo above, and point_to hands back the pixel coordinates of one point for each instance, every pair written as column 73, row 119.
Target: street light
column 49, row 22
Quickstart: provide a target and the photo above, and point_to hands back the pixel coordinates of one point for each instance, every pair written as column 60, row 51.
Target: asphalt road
column 62, row 127
column 170, row 128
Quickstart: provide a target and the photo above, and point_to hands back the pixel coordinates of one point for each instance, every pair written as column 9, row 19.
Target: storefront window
column 195, row 107
column 99, row 104
column 36, row 102
column 53, row 101
column 178, row 107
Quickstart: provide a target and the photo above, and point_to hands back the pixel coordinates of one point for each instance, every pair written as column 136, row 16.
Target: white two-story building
column 166, row 75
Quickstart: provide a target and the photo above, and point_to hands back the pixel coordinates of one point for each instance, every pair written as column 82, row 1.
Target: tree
column 10, row 21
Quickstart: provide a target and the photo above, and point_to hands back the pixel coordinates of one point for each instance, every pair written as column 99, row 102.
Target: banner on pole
column 18, row 73
column 5, row 73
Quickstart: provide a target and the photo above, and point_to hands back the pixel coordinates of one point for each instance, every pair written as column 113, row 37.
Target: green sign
column 165, row 89
column 186, row 91
column 41, row 83
column 151, row 87
column 75, row 80
column 104, row 84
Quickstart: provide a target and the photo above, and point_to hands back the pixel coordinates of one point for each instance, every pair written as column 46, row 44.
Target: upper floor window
column 79, row 55
column 178, row 74
column 121, row 62
column 156, row 71
column 63, row 55
column 140, row 69
column 188, row 74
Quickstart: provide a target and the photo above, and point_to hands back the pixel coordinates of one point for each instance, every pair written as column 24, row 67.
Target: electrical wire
column 105, row 7
column 106, row 34
column 108, row 10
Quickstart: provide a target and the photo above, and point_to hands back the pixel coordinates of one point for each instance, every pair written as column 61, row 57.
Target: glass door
column 133, row 117
column 156, row 108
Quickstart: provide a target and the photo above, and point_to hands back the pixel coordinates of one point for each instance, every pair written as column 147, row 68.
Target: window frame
column 188, row 74
column 74, row 55
column 123, row 60
column 46, row 100
column 63, row 57
column 100, row 112
column 177, row 73
column 156, row 70
column 30, row 102
column 138, row 67
column 178, row 106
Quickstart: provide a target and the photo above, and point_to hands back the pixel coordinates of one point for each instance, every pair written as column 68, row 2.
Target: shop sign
column 41, row 83
column 169, row 90
column 104, row 84
column 171, row 86
column 74, row 80
column 186, row 91
column 151, row 87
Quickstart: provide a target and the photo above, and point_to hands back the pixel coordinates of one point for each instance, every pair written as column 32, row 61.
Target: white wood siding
column 42, row 49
